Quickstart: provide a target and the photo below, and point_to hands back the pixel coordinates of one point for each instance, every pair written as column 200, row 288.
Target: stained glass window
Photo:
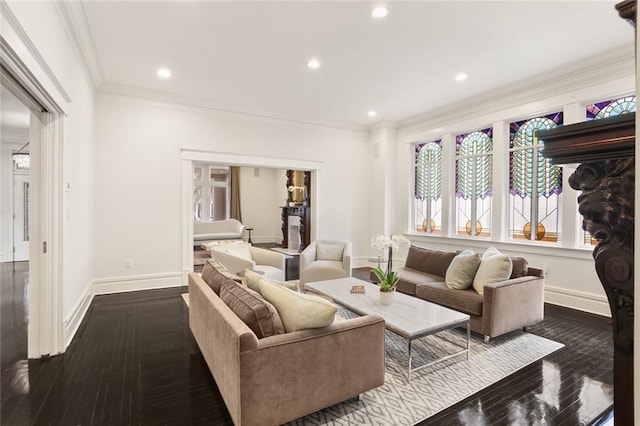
column 611, row 108
column 474, row 186
column 428, row 187
column 534, row 183
column 603, row 110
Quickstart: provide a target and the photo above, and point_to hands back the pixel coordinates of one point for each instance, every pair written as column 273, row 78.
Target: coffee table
column 407, row 316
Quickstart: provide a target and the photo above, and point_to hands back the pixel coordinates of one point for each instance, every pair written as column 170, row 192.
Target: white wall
column 8, row 145
column 261, row 197
column 39, row 39
column 571, row 278
column 138, row 180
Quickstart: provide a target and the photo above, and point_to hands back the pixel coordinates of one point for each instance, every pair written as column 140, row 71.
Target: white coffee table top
column 407, row 316
column 208, row 245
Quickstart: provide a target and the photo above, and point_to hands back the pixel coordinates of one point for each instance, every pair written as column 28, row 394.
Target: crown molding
column 77, row 23
column 224, row 107
column 597, row 69
column 8, row 15
column 381, row 126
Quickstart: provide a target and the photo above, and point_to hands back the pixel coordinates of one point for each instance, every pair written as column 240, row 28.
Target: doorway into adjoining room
column 262, row 194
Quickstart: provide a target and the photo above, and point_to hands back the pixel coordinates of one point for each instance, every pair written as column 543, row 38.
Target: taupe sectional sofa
column 275, row 379
column 505, row 306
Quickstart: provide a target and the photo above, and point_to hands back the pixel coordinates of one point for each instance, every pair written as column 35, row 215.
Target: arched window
column 610, row 108
column 428, row 187
column 603, row 110
column 474, row 186
column 534, row 183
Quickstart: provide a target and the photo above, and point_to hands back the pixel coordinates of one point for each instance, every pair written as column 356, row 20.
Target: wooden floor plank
column 135, row 362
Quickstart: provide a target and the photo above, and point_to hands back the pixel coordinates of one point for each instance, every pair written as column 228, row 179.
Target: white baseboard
column 136, row 282
column 587, row 302
column 74, row 319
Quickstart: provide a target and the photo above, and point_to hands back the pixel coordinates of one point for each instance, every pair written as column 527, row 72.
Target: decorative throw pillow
column 298, row 311
column 462, row 270
column 259, row 315
column 520, row 267
column 252, row 280
column 223, row 270
column 430, row 261
column 213, row 277
column 325, row 251
column 494, row 267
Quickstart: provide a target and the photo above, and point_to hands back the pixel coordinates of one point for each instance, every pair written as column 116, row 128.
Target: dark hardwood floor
column 134, row 362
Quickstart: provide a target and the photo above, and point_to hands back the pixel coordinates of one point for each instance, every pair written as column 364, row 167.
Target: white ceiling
column 251, row 56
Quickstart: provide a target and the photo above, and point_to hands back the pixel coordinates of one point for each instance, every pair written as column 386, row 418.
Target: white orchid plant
column 388, row 279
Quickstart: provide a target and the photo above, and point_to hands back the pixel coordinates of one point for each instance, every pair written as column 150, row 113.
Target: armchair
column 238, row 257
column 325, row 260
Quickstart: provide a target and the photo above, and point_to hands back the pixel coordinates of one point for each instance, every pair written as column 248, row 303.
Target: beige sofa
column 505, row 306
column 279, row 378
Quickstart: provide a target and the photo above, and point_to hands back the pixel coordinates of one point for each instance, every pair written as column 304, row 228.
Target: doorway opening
column 35, row 204
column 253, row 168
column 14, row 234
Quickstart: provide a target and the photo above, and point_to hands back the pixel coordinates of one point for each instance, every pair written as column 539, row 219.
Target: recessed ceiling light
column 380, row 12
column 461, row 77
column 372, row 113
column 313, row 63
column 164, row 73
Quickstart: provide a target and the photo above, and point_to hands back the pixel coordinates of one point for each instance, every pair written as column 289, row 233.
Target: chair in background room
column 239, row 257
column 325, row 260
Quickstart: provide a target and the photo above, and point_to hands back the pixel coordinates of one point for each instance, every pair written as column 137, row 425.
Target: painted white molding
column 381, row 126
column 515, row 247
column 587, row 302
column 77, row 24
column 74, row 319
column 225, row 108
column 235, row 159
column 7, row 13
column 597, row 69
column 136, row 282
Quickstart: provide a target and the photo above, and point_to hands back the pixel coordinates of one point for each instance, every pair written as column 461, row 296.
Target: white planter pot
column 386, row 297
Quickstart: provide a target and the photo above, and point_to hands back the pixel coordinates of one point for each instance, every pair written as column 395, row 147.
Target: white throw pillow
column 298, row 311
column 495, row 267
column 326, row 251
column 462, row 270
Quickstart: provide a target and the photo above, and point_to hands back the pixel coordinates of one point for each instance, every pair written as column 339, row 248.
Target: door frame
column 190, row 156
column 46, row 325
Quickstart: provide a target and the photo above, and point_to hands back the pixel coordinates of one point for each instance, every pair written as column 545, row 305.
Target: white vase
column 386, row 297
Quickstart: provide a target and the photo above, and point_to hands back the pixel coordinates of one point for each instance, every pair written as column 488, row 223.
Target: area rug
column 433, row 389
